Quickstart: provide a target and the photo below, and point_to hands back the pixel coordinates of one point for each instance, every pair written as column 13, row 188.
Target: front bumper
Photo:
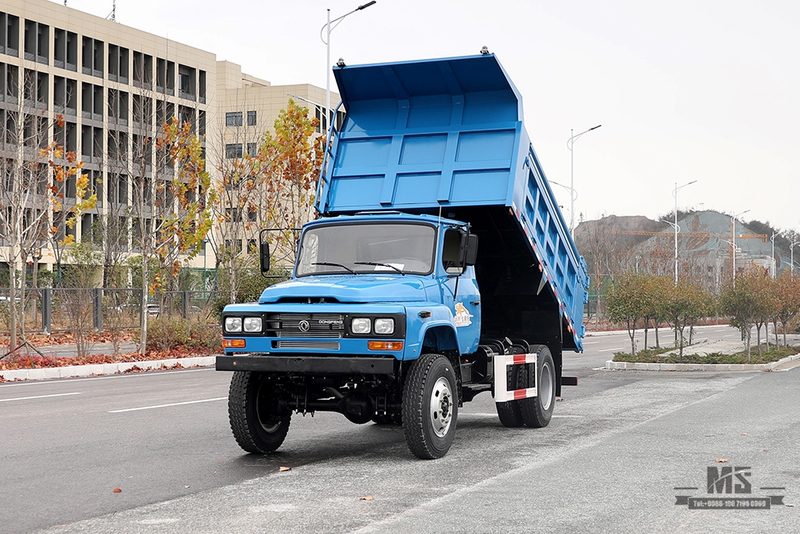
column 306, row 364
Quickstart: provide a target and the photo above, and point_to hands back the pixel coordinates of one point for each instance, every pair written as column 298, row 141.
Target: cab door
column 460, row 293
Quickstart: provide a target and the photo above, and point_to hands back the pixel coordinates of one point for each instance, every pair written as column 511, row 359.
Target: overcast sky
column 685, row 90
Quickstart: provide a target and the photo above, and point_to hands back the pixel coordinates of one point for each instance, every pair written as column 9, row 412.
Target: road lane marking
column 39, row 397
column 609, row 350
column 166, row 405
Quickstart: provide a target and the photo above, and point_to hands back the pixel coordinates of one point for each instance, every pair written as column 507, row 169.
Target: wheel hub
column 441, row 407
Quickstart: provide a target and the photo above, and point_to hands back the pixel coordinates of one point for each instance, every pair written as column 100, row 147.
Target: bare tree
column 266, row 183
column 34, row 172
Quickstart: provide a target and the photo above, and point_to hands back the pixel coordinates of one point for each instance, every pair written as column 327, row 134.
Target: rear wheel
column 510, row 412
column 430, row 406
column 256, row 421
column 537, row 411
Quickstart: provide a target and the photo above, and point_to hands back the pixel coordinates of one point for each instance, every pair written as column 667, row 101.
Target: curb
column 638, row 366
column 99, row 369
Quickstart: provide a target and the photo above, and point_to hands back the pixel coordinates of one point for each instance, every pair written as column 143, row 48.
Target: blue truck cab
column 440, row 268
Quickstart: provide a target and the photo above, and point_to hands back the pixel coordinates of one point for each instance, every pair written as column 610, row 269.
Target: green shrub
column 166, row 333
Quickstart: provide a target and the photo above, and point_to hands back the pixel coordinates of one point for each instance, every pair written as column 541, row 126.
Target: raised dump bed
column 446, row 137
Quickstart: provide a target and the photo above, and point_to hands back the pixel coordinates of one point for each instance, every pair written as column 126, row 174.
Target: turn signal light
column 234, row 343
column 385, row 345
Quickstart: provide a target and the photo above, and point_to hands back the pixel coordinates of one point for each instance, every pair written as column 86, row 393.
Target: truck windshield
column 398, row 248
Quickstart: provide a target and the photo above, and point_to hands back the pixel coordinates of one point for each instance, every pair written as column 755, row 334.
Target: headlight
column 361, row 325
column 384, row 326
column 252, row 324
column 233, row 324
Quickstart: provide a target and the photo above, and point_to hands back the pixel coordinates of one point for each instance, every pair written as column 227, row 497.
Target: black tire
column 253, row 413
column 430, row 406
column 510, row 412
column 537, row 411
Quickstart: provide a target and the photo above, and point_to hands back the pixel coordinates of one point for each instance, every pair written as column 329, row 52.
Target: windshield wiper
column 389, row 265
column 345, row 267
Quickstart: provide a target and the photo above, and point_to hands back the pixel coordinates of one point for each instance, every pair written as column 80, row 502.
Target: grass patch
column 661, row 356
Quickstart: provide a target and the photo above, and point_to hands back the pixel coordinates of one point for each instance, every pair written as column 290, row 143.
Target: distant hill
column 615, row 244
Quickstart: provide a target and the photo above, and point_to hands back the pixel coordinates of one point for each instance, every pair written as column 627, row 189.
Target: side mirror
column 263, row 255
column 469, row 249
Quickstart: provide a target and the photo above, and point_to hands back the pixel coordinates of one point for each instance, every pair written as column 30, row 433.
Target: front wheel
column 430, row 406
column 256, row 421
column 537, row 411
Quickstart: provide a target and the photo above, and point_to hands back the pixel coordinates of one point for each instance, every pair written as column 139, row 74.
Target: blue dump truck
column 440, row 268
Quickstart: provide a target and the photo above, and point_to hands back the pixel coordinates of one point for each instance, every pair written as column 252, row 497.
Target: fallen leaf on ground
column 367, row 498
column 721, row 460
column 282, row 469
column 117, row 490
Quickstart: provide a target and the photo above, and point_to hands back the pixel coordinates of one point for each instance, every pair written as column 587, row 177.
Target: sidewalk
column 107, row 348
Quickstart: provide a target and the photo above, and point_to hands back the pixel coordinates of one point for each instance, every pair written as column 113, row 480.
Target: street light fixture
column 675, row 225
column 568, row 188
column 570, row 144
column 733, row 245
column 327, row 41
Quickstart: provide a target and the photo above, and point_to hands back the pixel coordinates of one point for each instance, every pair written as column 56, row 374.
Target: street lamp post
column 570, row 144
column 327, row 41
column 205, row 253
column 675, row 225
column 773, row 266
column 733, row 245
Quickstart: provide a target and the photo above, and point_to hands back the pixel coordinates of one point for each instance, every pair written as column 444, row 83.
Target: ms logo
column 729, row 480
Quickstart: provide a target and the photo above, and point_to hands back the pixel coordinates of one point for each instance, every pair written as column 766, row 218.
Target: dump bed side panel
column 446, row 136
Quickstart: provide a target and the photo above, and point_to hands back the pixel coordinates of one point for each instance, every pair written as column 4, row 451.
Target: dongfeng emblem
column 304, row 326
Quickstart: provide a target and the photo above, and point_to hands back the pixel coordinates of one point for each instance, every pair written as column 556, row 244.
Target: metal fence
column 67, row 309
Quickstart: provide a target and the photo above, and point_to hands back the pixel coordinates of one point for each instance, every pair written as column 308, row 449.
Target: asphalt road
column 618, row 446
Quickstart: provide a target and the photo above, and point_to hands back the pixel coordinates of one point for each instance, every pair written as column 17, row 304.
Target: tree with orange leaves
column 271, row 188
column 171, row 199
column 32, row 196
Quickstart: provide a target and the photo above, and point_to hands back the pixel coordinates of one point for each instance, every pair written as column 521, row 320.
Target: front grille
column 301, row 344
column 305, row 325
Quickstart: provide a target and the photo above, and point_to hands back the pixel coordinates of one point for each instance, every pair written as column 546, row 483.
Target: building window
column 187, row 82
column 251, row 118
column 233, row 118
column 252, row 149
column 233, row 150
column 9, row 34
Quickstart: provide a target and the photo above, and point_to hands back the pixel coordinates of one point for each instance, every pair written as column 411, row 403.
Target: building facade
column 102, row 90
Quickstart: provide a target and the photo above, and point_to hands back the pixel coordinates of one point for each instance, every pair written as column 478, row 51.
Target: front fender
column 433, row 326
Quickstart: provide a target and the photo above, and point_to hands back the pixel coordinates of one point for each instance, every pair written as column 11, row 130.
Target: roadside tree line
column 158, row 207
column 752, row 299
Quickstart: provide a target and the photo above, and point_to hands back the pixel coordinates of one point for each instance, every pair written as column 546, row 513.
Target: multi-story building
column 112, row 86
column 248, row 107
